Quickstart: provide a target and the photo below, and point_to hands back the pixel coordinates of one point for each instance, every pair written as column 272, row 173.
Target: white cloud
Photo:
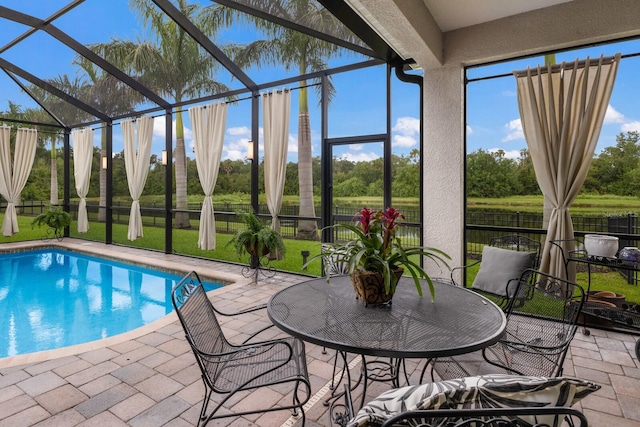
column 236, row 145
column 510, row 154
column 469, row 130
column 240, row 131
column 407, row 126
column 404, row 141
column 613, row 116
column 235, row 142
column 406, row 129
column 631, row 127
column 235, row 154
column 159, row 129
column 359, row 156
column 514, row 131
column 293, row 144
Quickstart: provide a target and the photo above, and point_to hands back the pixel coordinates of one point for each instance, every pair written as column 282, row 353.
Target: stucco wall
column 443, row 162
column 443, row 56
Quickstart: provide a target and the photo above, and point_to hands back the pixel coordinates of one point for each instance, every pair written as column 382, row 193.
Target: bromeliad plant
column 375, row 247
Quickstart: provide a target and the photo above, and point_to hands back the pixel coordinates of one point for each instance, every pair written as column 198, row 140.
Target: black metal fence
column 481, row 225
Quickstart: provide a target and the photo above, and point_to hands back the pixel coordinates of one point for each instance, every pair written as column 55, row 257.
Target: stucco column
column 443, row 157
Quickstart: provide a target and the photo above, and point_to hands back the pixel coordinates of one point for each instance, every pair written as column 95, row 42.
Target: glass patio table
column 328, row 314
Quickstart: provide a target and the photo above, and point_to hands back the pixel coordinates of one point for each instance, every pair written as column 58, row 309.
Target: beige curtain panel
column 209, row 125
column 13, row 177
column 562, row 108
column 276, row 110
column 82, row 141
column 136, row 163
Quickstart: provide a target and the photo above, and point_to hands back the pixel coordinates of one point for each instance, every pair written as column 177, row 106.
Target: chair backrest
column 489, row 417
column 540, row 327
column 503, row 262
column 516, row 242
column 198, row 317
column 333, row 267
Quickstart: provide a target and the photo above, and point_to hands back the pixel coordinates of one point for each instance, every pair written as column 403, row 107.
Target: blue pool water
column 54, row 298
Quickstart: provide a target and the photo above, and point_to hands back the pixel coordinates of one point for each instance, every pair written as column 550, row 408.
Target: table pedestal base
column 339, row 402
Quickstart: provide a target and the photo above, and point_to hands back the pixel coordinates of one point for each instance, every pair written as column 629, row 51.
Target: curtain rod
column 226, row 102
column 40, row 131
column 497, row 76
column 557, row 68
column 239, row 99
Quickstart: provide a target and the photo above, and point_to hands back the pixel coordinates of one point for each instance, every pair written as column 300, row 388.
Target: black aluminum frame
column 380, row 53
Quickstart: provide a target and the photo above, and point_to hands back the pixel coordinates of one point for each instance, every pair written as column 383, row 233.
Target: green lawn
column 611, row 281
column 184, row 242
column 584, row 205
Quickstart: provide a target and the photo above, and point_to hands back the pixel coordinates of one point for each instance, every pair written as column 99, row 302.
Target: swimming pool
column 52, row 298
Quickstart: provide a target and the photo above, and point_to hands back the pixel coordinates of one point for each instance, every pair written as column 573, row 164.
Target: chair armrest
column 245, row 311
column 462, row 267
column 246, row 350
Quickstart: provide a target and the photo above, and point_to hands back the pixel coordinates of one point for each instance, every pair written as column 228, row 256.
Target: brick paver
column 153, row 379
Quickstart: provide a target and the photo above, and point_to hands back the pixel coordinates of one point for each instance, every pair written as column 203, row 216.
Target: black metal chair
column 538, row 333
column 502, row 293
column 228, row 368
column 488, row 417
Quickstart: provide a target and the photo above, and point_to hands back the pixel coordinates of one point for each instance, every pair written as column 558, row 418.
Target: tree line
column 351, row 179
column 615, row 170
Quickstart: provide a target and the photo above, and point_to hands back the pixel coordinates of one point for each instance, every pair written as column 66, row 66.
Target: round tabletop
column 328, row 314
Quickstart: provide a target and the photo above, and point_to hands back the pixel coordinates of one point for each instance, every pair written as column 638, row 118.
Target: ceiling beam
column 28, row 91
column 298, row 27
column 82, row 50
column 360, row 28
column 167, row 7
column 8, row 66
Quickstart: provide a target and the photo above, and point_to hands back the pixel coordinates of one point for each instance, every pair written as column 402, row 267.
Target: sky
column 358, row 107
column 493, row 119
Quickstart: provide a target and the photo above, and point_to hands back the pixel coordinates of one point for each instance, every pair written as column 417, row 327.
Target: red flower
column 366, row 218
column 389, row 217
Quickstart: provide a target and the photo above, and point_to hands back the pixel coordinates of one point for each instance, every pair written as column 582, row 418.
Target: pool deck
column 149, row 377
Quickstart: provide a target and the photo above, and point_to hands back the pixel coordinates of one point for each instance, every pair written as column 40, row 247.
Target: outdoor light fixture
column 104, row 162
column 164, row 157
column 250, row 150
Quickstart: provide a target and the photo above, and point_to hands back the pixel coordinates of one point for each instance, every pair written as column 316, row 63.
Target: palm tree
column 293, row 50
column 68, row 114
column 110, row 96
column 173, row 65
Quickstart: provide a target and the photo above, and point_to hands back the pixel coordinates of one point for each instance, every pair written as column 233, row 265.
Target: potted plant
column 55, row 218
column 256, row 239
column 376, row 257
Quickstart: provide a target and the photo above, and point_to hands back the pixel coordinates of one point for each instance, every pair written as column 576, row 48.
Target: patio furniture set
column 498, row 347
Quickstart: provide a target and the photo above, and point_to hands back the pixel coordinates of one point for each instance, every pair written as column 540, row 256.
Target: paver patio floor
column 149, row 377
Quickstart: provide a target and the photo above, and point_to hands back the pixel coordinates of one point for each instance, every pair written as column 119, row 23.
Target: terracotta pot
column 369, row 287
column 608, row 296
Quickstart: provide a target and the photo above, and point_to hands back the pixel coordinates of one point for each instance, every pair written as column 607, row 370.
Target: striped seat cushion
column 484, row 391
